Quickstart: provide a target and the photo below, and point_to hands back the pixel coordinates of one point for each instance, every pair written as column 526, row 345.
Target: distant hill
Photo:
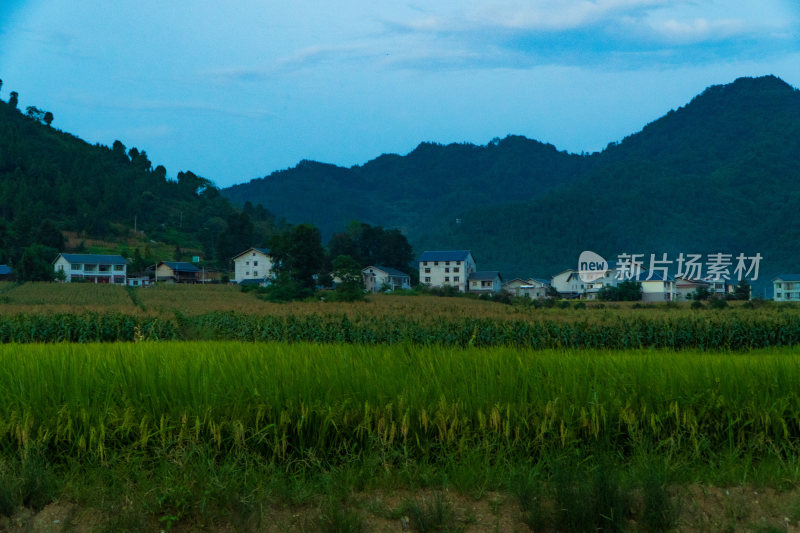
column 720, row 174
column 431, row 185
column 52, row 182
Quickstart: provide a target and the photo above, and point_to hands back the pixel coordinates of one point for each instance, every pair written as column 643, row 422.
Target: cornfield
column 718, row 331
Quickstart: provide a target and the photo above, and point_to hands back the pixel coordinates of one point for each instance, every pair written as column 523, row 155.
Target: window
column 118, row 268
column 427, row 279
column 255, row 272
column 436, row 263
column 455, row 279
column 76, row 267
column 428, row 270
column 447, row 279
column 455, row 270
column 247, row 263
column 447, row 269
column 447, row 263
column 255, row 263
column 247, row 273
column 424, row 263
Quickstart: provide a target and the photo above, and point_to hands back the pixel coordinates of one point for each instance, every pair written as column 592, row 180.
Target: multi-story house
column 94, row 268
column 254, row 265
column 786, row 288
column 446, row 268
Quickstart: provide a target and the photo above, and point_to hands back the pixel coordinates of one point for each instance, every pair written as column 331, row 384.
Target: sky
column 238, row 89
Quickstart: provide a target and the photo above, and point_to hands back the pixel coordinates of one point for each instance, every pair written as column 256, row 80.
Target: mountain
column 52, row 183
column 415, row 192
column 720, row 174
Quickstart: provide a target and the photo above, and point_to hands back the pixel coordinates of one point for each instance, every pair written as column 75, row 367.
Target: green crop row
column 717, row 332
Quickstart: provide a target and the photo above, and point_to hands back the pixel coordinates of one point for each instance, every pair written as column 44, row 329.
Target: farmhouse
column 485, row 281
column 568, row 284
column 786, row 288
column 446, row 268
column 531, row 287
column 377, row 278
column 93, row 268
column 656, row 287
column 177, row 272
column 254, row 265
column 685, row 288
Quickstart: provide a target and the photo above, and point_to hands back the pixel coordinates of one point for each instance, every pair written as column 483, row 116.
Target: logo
column 591, row 266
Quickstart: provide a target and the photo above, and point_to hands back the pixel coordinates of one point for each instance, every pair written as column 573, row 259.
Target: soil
column 700, row 508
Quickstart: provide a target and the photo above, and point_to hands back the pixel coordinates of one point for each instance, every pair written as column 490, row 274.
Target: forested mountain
column 52, row 182
column 720, row 174
column 416, row 192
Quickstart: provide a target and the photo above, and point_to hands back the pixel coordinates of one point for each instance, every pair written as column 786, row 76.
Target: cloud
column 614, row 33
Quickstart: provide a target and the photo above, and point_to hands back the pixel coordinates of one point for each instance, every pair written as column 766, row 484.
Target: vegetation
column 585, row 439
column 99, row 192
column 637, row 196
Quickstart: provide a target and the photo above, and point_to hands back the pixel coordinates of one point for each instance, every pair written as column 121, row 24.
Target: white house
column 485, row 281
column 568, row 284
column 94, row 268
column 254, row 265
column 376, row 278
column 656, row 287
column 446, row 268
column 786, row 288
column 531, row 287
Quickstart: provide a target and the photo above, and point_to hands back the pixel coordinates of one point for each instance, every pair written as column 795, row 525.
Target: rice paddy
column 198, row 406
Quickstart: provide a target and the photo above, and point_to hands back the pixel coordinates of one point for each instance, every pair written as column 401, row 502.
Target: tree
column 701, row 293
column 297, row 257
column 742, row 291
column 35, row 264
column 348, row 271
column 48, row 118
column 13, row 99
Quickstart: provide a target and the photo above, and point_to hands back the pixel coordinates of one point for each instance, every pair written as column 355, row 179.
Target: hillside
column 52, row 183
column 415, row 192
column 717, row 175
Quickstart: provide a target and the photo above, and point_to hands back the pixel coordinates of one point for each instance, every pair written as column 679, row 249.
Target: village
column 456, row 269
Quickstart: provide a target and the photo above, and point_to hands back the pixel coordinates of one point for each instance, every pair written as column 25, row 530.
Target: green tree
column 13, row 99
column 297, row 257
column 701, row 293
column 35, row 264
column 742, row 291
column 348, row 271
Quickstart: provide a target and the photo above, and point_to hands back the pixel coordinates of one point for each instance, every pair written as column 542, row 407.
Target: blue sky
column 236, row 90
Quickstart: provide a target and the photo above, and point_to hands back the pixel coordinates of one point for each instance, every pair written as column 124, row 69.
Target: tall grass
column 305, row 402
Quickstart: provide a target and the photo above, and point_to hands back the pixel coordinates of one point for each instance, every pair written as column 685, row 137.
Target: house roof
column 181, row 266
column 444, row 255
column 5, row 270
column 787, row 277
column 254, row 281
column 94, row 259
column 649, row 276
column 264, row 251
column 542, row 280
column 389, row 270
column 485, row 275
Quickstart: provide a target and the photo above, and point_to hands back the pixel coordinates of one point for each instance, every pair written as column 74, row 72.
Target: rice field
column 283, row 401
